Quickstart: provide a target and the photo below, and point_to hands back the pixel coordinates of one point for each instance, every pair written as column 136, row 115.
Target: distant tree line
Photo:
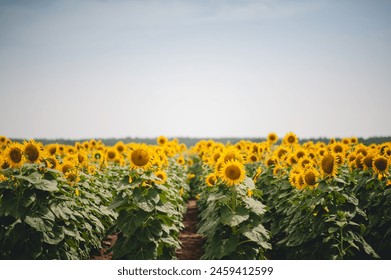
column 192, row 141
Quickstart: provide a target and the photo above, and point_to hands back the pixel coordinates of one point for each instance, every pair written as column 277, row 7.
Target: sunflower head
column 232, row 172
column 51, row 162
column 380, row 165
column 211, row 180
column 161, row 140
column 272, row 137
column 120, row 146
column 311, row 175
column 181, row 160
column 112, row 154
column 162, row 175
column 13, row 155
column 141, row 157
column 367, row 161
column 32, row 151
column 358, row 161
column 252, row 158
column 290, row 138
column 67, row 166
column 329, row 165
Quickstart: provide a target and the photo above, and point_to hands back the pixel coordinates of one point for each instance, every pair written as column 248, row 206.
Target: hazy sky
column 144, row 68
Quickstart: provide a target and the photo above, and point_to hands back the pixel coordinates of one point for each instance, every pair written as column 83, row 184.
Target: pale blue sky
column 95, row 68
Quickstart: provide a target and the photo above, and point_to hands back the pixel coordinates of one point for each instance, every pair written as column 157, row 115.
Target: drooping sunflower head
column 141, row 157
column 367, row 161
column 290, row 138
column 271, row 161
column 380, row 165
column 51, row 149
column 211, row 180
column 51, row 162
column 358, row 161
column 13, row 155
column 72, row 177
column 232, row 172
column 33, row 151
column 67, row 166
column 281, row 152
column 272, row 137
column 329, row 165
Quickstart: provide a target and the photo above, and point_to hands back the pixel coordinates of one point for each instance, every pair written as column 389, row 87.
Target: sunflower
column 51, row 162
column 216, row 155
column 232, row 172
column 252, row 158
column 3, row 178
column 311, row 175
column 367, row 161
column 120, row 146
column 380, row 165
column 67, row 166
column 358, row 161
column 161, row 140
column 290, row 138
column 98, row 156
column 271, row 161
column 3, row 142
column 300, row 153
column 329, row 165
column 361, row 149
column 33, row 151
column 272, row 137
column 72, row 177
column 211, row 180
column 51, row 149
column 337, row 147
column 162, row 175
column 305, row 161
column 181, row 160
column 4, row 164
column 13, row 155
column 141, row 157
column 281, row 151
column 82, row 158
column 112, row 154
column 257, row 173
column 293, row 178
column 231, row 154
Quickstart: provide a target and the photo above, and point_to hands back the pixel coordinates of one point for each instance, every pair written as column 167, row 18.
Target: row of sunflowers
column 289, row 200
column 276, row 199
column 61, row 201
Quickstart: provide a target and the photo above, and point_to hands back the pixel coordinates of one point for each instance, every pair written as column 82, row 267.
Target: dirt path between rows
column 191, row 241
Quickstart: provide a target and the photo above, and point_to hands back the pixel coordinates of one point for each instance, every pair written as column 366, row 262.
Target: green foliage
column 149, row 215
column 231, row 223
column 41, row 217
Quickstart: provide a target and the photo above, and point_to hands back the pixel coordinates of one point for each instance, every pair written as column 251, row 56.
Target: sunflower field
column 276, row 199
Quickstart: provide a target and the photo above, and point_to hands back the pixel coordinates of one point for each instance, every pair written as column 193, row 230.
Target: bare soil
column 191, row 241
